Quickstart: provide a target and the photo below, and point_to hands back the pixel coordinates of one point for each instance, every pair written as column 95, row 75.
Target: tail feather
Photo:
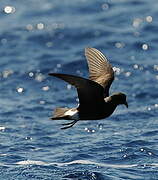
column 59, row 113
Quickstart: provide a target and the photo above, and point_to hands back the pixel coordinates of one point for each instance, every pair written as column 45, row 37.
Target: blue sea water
column 38, row 37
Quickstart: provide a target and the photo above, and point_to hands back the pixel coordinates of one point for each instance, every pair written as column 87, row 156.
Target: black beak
column 126, row 104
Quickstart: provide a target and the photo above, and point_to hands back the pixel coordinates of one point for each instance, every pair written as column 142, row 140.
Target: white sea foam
column 2, row 128
column 96, row 163
column 30, row 162
column 86, row 162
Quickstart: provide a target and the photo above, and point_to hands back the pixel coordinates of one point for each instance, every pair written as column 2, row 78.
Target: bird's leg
column 69, row 125
column 65, row 124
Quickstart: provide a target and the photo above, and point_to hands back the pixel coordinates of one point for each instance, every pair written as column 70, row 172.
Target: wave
column 85, row 162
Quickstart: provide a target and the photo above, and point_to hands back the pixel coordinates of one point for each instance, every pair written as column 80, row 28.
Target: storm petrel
column 93, row 93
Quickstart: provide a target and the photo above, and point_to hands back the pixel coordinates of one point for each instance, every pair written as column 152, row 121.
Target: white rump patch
column 73, row 114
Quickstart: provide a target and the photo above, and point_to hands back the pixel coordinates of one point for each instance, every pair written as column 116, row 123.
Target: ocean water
column 39, row 37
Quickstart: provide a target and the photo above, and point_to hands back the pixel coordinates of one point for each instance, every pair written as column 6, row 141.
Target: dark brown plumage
column 93, row 93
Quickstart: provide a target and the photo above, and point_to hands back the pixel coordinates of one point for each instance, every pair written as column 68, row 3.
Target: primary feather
column 100, row 70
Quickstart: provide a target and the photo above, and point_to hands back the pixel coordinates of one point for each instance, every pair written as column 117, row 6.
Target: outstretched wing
column 100, row 70
column 90, row 93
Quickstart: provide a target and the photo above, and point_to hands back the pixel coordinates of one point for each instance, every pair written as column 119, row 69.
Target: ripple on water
column 87, row 175
column 138, row 143
column 150, row 133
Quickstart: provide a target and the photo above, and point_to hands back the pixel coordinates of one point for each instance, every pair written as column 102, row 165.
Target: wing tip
column 87, row 47
column 55, row 74
column 88, row 50
column 52, row 74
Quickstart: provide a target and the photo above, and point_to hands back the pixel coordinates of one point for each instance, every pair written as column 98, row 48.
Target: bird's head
column 119, row 98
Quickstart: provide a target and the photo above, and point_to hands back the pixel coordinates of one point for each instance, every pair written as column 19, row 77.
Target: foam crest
column 30, row 162
column 86, row 162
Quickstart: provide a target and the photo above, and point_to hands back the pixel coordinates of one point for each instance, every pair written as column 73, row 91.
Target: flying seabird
column 93, row 93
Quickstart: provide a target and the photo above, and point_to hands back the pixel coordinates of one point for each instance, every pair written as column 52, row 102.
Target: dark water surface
column 38, row 37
